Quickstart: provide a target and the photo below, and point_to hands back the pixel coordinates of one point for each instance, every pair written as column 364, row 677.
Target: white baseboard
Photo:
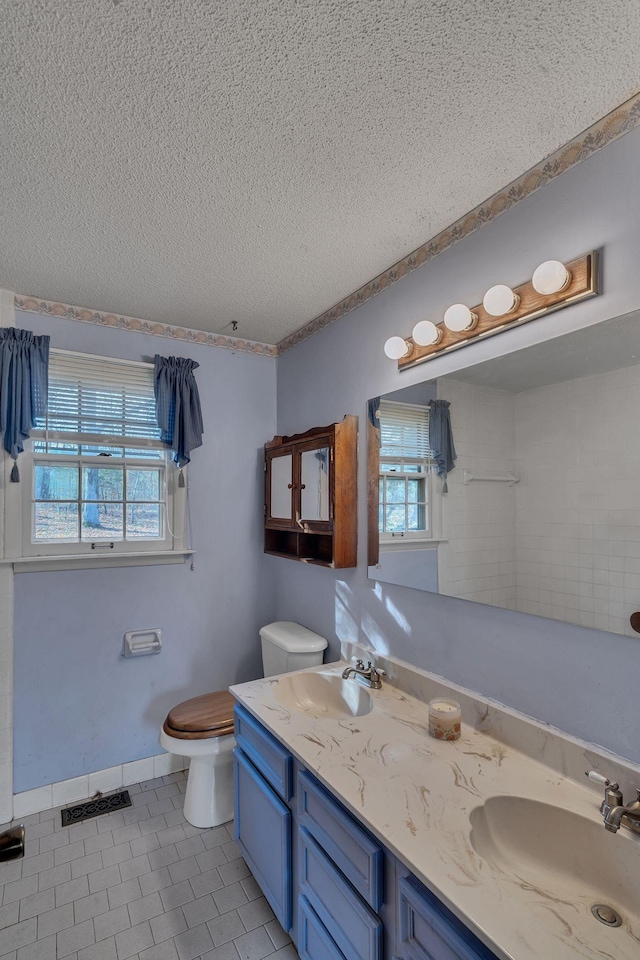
column 82, row 788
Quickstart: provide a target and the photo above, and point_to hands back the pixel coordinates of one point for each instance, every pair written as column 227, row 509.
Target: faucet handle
column 376, row 671
column 612, row 794
column 599, row 778
column 358, row 662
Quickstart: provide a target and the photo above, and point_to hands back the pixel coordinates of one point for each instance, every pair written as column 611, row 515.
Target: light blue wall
column 583, row 681
column 409, row 568
column 79, row 706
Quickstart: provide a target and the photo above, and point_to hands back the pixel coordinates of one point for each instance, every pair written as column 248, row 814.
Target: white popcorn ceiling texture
column 196, row 163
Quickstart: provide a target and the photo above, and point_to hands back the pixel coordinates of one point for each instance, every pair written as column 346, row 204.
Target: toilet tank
column 288, row 646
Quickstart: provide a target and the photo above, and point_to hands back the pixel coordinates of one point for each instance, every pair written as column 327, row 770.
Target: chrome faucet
column 371, row 674
column 613, row 809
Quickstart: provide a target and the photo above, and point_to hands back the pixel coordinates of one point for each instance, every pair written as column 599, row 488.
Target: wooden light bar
column 583, row 284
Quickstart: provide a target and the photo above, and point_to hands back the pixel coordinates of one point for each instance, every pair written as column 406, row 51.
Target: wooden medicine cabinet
column 311, row 495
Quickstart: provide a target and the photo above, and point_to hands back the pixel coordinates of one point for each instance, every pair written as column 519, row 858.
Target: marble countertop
column 417, row 795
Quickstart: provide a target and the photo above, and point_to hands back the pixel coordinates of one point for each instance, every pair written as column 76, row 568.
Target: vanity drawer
column 427, row 930
column 349, row 921
column 314, row 943
column 274, row 761
column 350, row 847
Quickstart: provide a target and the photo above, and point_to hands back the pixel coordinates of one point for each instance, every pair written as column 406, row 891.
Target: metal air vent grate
column 95, row 807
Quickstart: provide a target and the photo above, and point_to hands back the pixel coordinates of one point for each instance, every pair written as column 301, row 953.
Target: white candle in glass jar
column 445, row 717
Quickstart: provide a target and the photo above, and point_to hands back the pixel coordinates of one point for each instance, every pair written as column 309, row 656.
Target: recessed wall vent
column 95, row 807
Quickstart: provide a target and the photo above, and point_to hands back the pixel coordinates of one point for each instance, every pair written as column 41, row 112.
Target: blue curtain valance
column 441, row 439
column 178, row 406
column 24, row 372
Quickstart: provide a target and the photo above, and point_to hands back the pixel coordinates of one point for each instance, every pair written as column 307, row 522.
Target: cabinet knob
column 303, row 486
column 290, row 486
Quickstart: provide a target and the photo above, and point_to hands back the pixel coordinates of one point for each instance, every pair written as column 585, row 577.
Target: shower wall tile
column 564, row 542
column 578, row 541
column 477, row 559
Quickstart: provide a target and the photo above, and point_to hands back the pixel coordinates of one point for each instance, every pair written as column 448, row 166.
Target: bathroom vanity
column 330, row 882
column 372, row 841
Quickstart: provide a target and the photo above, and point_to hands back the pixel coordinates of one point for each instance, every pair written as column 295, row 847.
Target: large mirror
column 541, row 511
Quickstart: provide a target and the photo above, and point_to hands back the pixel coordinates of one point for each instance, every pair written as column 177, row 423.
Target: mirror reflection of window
column 314, row 468
column 405, row 459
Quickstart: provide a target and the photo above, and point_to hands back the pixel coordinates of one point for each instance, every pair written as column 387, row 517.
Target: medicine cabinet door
column 281, row 488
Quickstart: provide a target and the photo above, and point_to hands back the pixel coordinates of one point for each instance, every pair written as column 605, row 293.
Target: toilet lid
column 209, row 713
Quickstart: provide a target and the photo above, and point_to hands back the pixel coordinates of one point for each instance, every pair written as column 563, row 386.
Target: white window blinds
column 404, row 430
column 96, row 400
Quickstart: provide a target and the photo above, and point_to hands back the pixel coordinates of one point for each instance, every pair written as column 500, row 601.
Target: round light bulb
column 550, row 277
column 396, row 348
column 426, row 333
column 458, row 318
column 500, row 300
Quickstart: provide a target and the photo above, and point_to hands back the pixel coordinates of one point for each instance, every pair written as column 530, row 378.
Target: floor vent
column 95, row 807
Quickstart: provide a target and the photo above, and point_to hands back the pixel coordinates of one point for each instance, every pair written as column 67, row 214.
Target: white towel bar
column 468, row 477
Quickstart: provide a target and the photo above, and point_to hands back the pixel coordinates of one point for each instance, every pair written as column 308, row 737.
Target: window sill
column 84, row 561
column 412, row 543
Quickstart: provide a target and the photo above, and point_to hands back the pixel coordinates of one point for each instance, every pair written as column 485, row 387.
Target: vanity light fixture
column 396, row 348
column 550, row 277
column 425, row 333
column 499, row 300
column 458, row 318
column 554, row 285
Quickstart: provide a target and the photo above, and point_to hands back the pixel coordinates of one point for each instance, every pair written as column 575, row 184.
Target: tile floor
column 137, row 883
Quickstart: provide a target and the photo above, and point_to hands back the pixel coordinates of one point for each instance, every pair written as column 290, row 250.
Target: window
column 96, row 477
column 405, row 458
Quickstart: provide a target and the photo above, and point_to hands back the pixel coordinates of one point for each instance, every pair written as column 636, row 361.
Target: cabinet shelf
column 311, row 495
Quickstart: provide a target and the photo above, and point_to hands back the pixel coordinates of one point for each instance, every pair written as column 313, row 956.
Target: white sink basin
column 544, row 851
column 322, row 695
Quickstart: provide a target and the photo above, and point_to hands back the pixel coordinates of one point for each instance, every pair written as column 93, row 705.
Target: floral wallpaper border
column 51, row 309
column 614, row 125
column 611, row 127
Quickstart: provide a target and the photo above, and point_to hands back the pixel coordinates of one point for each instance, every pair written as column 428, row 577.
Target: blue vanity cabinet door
column 274, row 761
column 427, row 930
column 350, row 847
column 262, row 830
column 347, row 919
column 314, row 943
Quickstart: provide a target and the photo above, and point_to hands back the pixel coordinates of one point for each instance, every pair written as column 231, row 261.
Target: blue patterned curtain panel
column 441, row 439
column 24, row 371
column 178, row 406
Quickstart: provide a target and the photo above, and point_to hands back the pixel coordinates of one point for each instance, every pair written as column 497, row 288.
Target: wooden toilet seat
column 202, row 718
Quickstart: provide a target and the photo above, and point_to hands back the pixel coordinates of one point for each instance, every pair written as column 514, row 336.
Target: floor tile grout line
column 206, row 865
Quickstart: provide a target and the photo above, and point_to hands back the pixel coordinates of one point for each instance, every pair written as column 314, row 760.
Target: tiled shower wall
column 564, row 542
column 578, row 539
column 477, row 559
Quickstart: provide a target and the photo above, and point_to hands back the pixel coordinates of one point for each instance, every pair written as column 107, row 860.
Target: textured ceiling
column 196, row 163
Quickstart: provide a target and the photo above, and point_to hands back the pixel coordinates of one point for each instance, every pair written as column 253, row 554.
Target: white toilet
column 202, row 728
